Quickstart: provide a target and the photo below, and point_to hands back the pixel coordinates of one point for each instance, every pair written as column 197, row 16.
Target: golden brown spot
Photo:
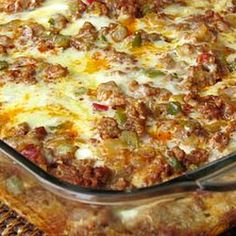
column 96, row 63
column 130, row 24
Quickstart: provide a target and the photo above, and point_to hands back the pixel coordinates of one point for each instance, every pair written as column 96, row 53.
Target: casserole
column 121, row 98
column 182, row 206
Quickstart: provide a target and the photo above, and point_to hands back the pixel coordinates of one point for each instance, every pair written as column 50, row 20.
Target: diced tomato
column 40, row 132
column 90, row 1
column 204, row 57
column 100, row 107
column 30, row 151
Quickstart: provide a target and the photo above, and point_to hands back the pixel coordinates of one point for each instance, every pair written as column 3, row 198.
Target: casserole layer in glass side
column 129, row 105
column 201, row 202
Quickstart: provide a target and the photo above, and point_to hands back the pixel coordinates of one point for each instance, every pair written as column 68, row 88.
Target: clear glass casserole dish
column 202, row 202
column 83, row 79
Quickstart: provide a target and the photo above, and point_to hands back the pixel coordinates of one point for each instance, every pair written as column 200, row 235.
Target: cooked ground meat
column 212, row 19
column 196, row 156
column 137, row 8
column 77, row 8
column 202, row 33
column 27, row 33
column 86, row 37
column 5, row 43
column 57, row 23
column 121, row 57
column 13, row 6
column 167, row 61
column 20, row 130
column 214, row 107
column 136, row 112
column 87, row 176
column 129, row 7
column 39, row 133
column 66, row 173
column 26, row 74
column 52, row 72
column 94, row 177
column 136, row 125
column 111, row 92
column 154, row 172
column 200, row 78
column 146, row 90
column 178, row 153
column 53, row 42
column 45, row 45
column 99, row 8
column 108, row 128
column 24, row 61
column 220, row 140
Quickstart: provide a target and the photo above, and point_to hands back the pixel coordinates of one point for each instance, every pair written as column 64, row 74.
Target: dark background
column 231, row 232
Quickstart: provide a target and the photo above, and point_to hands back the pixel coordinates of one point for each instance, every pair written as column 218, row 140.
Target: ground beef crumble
column 108, row 128
column 85, row 38
column 13, row 6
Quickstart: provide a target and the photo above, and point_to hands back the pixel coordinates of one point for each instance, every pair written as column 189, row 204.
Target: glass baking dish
column 200, row 202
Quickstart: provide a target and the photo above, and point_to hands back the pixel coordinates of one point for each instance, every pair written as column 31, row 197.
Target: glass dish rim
column 188, row 182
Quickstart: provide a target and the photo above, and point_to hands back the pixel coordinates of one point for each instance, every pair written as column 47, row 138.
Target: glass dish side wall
column 209, row 213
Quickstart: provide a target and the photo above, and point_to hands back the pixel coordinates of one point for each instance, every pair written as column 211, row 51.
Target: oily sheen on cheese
column 134, row 95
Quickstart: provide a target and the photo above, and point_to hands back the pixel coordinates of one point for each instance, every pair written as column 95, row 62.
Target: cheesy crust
column 118, row 94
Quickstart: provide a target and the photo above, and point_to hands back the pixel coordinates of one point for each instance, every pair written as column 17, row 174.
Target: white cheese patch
column 84, row 152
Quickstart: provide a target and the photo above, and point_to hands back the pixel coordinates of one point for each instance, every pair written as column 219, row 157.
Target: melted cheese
column 50, row 104
column 41, row 14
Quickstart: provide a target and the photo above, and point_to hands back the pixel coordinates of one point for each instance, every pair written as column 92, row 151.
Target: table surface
column 12, row 223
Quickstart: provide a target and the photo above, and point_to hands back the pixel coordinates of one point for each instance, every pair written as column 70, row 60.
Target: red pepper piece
column 90, row 1
column 100, row 107
column 204, row 57
column 32, row 152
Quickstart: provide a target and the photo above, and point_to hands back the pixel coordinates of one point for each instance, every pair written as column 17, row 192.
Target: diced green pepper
column 3, row 65
column 146, row 9
column 103, row 38
column 175, row 163
column 173, row 108
column 52, row 128
column 152, row 73
column 137, row 41
column 14, row 185
column 62, row 41
column 81, row 91
column 130, row 139
column 120, row 116
column 175, row 76
column 51, row 21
